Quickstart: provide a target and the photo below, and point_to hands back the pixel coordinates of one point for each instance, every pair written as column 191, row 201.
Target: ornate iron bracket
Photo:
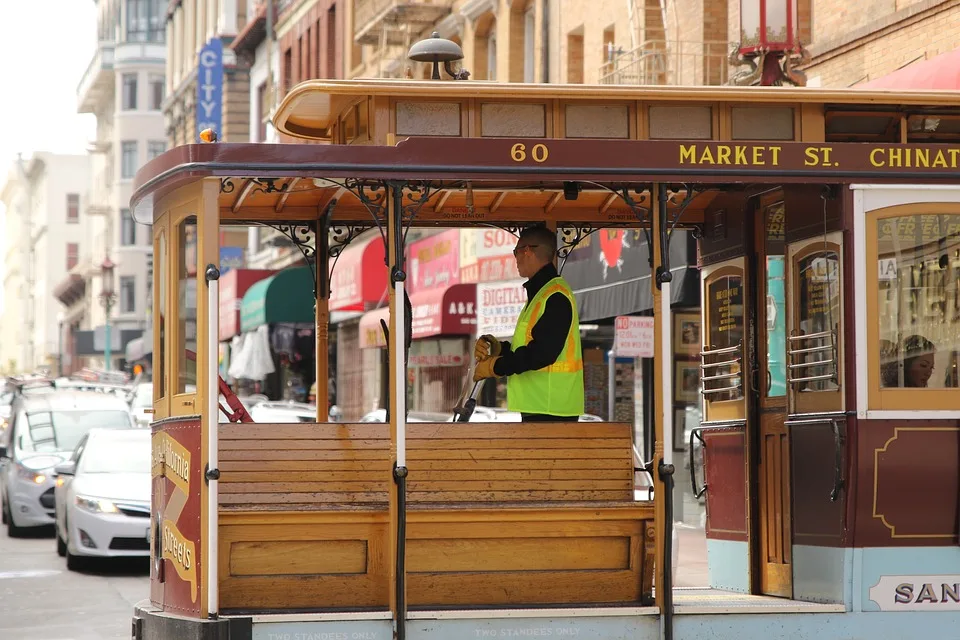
column 304, row 238
column 691, row 191
column 269, row 185
column 570, row 237
column 340, row 237
column 411, row 202
column 227, row 185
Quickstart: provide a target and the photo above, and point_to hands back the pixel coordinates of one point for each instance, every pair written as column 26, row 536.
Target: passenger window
column 914, row 307
column 187, row 305
column 816, row 334
column 722, row 356
column 160, row 362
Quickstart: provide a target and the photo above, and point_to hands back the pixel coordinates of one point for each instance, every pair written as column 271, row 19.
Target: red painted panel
column 233, row 285
column 725, row 472
column 175, row 579
column 816, row 520
column 908, row 483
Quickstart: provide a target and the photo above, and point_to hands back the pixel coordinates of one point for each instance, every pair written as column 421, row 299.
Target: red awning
column 449, row 311
column 233, row 284
column 360, row 277
column 939, row 73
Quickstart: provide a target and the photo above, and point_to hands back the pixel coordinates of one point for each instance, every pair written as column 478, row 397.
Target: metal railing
column 721, row 372
column 812, row 358
column 666, row 62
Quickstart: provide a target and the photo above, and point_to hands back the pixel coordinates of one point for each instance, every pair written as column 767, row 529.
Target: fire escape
column 391, row 26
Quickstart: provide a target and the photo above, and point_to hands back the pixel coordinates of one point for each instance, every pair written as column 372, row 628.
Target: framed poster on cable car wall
column 723, row 341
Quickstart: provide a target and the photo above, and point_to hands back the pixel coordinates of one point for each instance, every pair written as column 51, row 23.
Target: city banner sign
column 210, row 88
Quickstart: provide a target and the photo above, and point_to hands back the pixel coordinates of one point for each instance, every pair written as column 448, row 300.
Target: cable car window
column 187, row 305
column 918, row 302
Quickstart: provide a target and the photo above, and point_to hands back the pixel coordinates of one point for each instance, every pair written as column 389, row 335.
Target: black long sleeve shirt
column 548, row 335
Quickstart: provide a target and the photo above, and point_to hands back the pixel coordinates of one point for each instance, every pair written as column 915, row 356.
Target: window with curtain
column 128, row 159
column 128, row 294
column 129, row 92
column 128, row 229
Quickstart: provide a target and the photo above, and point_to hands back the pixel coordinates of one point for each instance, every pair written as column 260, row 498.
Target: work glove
column 487, row 346
column 484, row 369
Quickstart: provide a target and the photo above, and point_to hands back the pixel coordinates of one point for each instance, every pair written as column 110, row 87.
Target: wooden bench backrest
column 304, row 465
column 512, row 462
column 307, row 465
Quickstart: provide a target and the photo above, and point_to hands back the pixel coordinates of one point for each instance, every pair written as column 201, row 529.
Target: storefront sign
column 210, row 88
column 435, row 261
column 371, row 331
column 498, row 306
column 495, row 261
column 469, row 268
column 917, row 593
column 230, row 258
column 633, row 337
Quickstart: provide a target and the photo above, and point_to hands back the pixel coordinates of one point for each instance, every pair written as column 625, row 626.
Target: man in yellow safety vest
column 543, row 361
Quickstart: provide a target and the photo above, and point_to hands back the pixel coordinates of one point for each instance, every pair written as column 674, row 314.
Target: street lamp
column 769, row 45
column 107, row 298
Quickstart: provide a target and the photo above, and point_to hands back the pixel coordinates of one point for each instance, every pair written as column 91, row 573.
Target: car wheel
column 5, row 517
column 61, row 545
column 75, row 563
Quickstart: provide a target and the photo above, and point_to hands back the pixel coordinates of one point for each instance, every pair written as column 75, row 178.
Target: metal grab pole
column 611, row 388
column 398, row 276
column 212, row 472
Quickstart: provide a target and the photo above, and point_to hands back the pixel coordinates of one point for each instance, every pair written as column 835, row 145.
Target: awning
column 284, row 297
column 610, row 274
column 938, row 73
column 444, row 311
column 359, row 278
column 449, row 311
column 140, row 348
column 233, row 286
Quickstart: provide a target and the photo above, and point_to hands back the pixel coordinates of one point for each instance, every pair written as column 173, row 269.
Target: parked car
column 44, row 431
column 141, row 404
column 102, row 497
column 380, row 415
column 282, row 411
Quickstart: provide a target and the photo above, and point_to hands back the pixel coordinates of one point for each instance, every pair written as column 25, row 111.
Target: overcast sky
column 45, row 47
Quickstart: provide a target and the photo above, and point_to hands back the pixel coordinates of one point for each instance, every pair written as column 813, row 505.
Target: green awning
column 284, row 297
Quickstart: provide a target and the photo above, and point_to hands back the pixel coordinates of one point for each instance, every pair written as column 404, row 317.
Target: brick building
column 190, row 25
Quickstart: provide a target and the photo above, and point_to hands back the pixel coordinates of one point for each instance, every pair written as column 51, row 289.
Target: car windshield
column 119, row 453
column 62, row 430
column 143, row 398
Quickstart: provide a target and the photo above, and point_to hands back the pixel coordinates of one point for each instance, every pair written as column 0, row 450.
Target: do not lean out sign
column 633, row 337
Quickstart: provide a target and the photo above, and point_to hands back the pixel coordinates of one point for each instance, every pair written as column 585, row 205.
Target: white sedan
column 102, row 497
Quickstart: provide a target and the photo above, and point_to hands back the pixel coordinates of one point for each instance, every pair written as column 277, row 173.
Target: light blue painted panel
column 580, row 628
column 821, row 574
column 326, row 630
column 904, row 561
column 728, row 565
column 819, row 626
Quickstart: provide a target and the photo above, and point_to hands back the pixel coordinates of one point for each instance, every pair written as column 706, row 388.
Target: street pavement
column 41, row 600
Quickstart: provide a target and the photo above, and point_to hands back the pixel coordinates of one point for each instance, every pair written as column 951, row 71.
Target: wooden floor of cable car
column 498, row 515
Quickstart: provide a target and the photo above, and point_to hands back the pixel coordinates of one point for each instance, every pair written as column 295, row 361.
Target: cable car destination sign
column 709, row 159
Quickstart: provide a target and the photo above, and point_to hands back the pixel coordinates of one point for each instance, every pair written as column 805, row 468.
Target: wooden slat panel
column 464, row 486
column 510, row 454
column 319, row 454
column 518, row 443
column 306, row 498
column 304, row 430
column 256, row 464
column 515, row 588
column 480, row 430
column 514, row 496
column 512, row 554
column 304, row 487
column 271, row 557
column 257, row 474
column 295, row 444
column 325, row 591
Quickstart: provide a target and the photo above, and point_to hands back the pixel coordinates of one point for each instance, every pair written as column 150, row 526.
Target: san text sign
column 917, row 593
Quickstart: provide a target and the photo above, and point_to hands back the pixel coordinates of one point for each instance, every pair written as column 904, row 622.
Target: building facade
column 43, row 241
column 191, row 24
column 124, row 88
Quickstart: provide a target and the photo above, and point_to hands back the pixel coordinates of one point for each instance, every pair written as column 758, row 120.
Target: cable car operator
column 543, row 362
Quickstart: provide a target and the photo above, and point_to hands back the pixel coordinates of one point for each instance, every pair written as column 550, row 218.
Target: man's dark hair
column 544, row 239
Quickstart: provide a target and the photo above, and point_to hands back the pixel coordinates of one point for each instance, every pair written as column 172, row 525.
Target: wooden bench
column 303, row 516
column 532, row 514
column 498, row 515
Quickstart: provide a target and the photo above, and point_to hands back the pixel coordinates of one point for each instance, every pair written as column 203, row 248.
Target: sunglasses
column 516, row 252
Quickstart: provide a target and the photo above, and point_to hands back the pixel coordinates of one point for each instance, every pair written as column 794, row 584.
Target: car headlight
column 31, row 475
column 96, row 505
